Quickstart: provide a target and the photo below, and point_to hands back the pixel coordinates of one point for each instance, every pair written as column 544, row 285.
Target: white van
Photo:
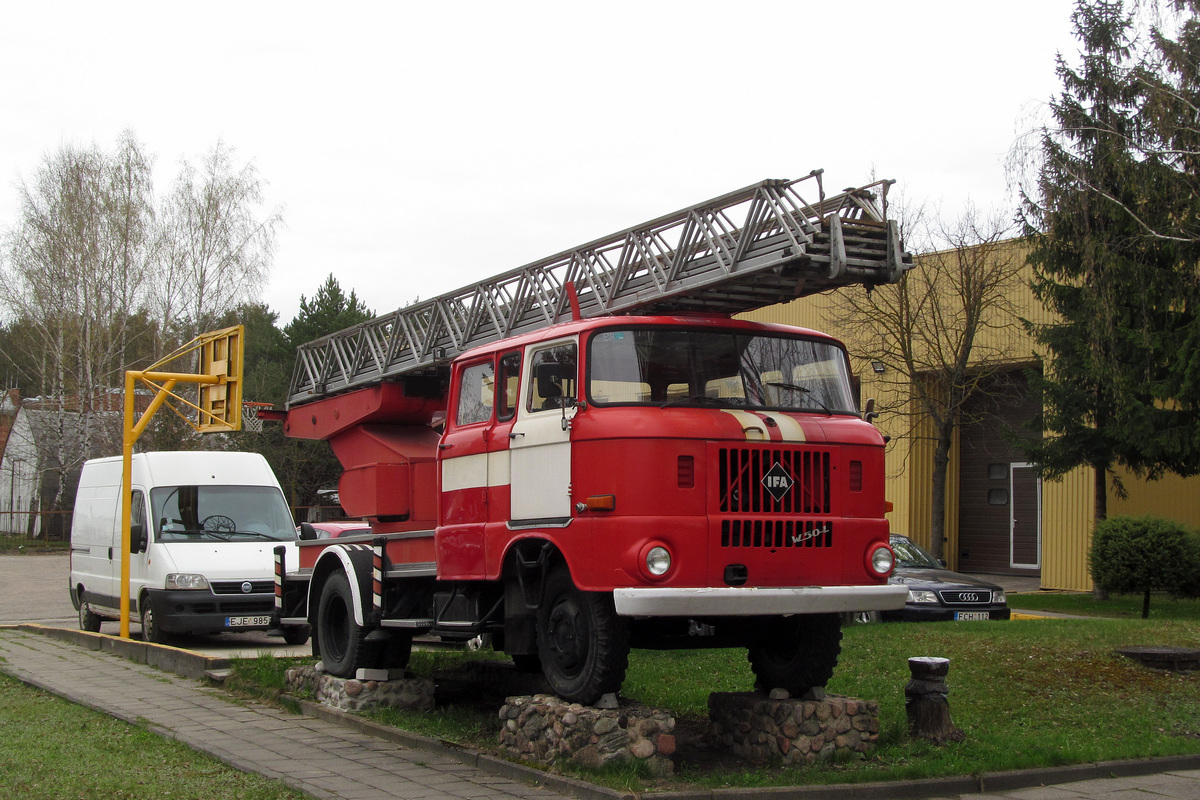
column 204, row 528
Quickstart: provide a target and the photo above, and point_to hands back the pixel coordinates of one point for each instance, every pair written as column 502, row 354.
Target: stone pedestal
column 350, row 694
column 545, row 729
column 793, row 731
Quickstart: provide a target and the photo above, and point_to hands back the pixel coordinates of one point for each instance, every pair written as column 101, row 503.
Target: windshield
column 679, row 367
column 224, row 513
column 909, row 555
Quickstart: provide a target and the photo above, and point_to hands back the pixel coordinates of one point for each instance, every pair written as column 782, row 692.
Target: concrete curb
column 185, row 663
column 197, row 666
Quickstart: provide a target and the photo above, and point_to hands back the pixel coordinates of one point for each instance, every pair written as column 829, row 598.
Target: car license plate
column 968, row 616
column 246, row 622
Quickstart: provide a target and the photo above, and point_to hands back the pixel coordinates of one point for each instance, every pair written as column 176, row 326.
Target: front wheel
column 797, row 654
column 583, row 643
column 150, row 630
column 339, row 636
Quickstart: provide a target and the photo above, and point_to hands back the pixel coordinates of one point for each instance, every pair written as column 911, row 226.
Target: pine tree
column 1108, row 261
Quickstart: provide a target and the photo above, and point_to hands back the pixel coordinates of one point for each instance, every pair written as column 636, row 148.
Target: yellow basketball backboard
column 221, row 403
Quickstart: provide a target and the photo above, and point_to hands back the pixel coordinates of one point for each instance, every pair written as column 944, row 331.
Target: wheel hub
column 568, row 637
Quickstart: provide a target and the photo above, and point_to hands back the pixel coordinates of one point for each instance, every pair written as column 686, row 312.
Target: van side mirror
column 307, row 531
column 137, row 538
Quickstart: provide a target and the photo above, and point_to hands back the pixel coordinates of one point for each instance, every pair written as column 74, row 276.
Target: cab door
column 540, row 439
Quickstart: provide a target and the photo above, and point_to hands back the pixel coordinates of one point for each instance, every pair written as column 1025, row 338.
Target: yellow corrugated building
column 1049, row 522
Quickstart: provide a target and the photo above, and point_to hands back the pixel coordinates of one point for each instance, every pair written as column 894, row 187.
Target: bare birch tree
column 217, row 250
column 77, row 265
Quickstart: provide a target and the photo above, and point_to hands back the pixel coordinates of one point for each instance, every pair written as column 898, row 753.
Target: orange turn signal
column 601, row 502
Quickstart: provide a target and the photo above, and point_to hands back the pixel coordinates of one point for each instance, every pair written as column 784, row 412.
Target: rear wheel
column 88, row 621
column 797, row 654
column 340, row 638
column 583, row 644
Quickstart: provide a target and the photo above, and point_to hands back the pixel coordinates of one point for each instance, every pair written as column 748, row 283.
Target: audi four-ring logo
column 969, row 597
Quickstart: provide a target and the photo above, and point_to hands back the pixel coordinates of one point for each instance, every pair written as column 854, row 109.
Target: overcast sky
column 417, row 147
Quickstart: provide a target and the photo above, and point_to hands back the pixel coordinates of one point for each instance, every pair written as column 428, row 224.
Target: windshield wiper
column 701, row 400
column 791, row 387
column 259, row 534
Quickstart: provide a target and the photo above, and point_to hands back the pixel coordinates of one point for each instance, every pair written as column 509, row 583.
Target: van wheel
column 340, row 638
column 150, row 629
column 583, row 644
column 797, row 654
column 88, row 621
column 295, row 634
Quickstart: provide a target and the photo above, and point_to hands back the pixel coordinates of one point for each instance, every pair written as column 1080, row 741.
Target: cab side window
column 508, row 388
column 476, row 391
column 554, row 377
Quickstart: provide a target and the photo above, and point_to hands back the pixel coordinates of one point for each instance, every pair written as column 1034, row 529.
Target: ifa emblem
column 777, row 482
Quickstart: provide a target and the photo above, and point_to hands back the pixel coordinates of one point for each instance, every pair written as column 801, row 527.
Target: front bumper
column 205, row 612
column 752, row 601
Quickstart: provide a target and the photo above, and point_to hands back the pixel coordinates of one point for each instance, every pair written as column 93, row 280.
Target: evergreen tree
column 307, row 466
column 329, row 311
column 1124, row 290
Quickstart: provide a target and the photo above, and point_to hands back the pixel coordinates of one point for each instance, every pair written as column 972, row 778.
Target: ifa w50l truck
column 590, row 454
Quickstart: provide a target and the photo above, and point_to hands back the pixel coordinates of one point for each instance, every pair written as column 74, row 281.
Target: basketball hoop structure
column 250, row 421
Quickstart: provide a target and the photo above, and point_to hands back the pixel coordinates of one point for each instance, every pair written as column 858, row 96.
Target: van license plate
column 970, row 616
column 246, row 622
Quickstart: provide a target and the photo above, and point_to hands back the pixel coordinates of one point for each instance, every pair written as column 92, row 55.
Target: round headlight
column 658, row 560
column 882, row 560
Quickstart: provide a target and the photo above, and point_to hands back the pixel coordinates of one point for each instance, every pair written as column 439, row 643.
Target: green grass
column 1121, row 606
column 1028, row 693
column 14, row 545
column 51, row 749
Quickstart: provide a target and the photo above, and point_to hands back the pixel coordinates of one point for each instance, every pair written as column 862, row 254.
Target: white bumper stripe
column 755, row 601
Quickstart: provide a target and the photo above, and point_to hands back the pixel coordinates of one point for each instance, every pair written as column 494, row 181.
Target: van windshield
column 224, row 513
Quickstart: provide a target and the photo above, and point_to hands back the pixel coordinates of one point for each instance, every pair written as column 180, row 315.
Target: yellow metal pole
column 229, row 373
column 127, row 440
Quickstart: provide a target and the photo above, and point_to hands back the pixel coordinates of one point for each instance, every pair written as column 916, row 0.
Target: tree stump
column 926, row 701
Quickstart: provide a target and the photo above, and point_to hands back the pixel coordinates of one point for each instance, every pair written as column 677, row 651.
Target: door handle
column 515, row 434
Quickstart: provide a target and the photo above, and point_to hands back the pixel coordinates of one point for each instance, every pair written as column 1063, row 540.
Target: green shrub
column 1145, row 554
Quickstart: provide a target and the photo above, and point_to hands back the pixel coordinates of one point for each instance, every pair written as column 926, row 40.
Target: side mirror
column 307, row 531
column 549, row 378
column 869, row 413
column 137, row 538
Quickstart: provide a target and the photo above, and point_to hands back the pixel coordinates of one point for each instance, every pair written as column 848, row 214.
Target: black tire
column 295, row 634
column 797, row 654
column 341, row 639
column 88, row 620
column 583, row 644
column 150, row 630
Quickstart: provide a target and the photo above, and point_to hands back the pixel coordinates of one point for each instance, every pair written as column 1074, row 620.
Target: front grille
column 235, row 587
column 962, row 597
column 743, row 484
column 775, row 534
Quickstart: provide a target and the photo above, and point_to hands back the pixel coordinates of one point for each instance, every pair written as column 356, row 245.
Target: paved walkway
column 329, row 759
column 324, row 759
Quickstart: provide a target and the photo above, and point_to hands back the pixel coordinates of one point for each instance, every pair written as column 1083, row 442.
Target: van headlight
column 186, row 580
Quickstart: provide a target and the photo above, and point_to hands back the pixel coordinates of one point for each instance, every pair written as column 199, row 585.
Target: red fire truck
column 590, row 454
